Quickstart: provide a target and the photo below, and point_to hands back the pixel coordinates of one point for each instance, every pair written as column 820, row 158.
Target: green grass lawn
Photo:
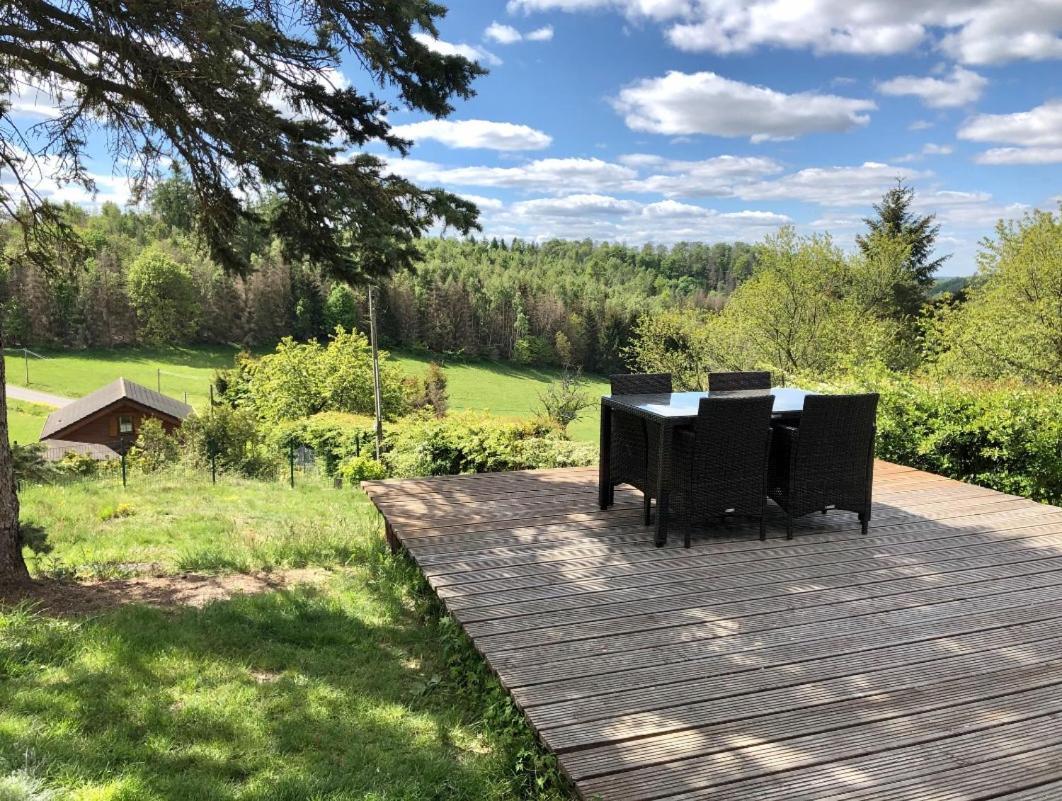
column 76, row 373
column 25, row 420
column 500, row 387
column 342, row 689
column 175, row 522
column 506, row 389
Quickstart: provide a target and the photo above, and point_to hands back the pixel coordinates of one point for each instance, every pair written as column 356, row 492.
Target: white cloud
column 484, row 203
column 605, row 217
column 476, row 134
column 502, row 34
column 575, row 206
column 960, row 88
column 1040, row 126
column 706, row 103
column 1020, row 155
column 970, row 31
column 928, row 149
column 1035, row 135
column 507, row 34
column 920, row 125
column 836, row 187
column 559, row 176
column 31, row 97
column 471, row 52
column 714, row 176
column 39, row 174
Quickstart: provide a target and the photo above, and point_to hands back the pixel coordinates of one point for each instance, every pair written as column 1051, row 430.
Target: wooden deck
column 923, row 661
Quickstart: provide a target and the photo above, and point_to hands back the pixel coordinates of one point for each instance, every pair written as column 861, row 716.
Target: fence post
column 291, row 464
column 25, row 356
column 158, row 379
column 123, row 466
column 213, row 467
column 378, row 401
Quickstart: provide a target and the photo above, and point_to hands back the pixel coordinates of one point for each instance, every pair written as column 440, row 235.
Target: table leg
column 604, row 468
column 663, row 484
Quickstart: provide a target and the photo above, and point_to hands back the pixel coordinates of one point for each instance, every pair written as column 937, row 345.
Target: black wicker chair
column 721, row 466
column 828, row 460
column 635, row 442
column 727, row 382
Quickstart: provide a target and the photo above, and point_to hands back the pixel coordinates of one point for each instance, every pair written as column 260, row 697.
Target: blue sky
column 666, row 120
column 659, row 120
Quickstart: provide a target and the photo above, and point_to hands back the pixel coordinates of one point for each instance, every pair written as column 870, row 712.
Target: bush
column 333, row 436
column 154, row 449
column 302, row 379
column 471, row 442
column 563, row 400
column 1004, row 435
column 232, row 437
column 29, row 464
column 361, row 468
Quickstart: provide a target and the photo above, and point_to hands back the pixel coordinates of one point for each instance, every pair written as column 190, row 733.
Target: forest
column 142, row 277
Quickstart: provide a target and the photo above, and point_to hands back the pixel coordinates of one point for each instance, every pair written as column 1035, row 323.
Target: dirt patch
column 186, row 589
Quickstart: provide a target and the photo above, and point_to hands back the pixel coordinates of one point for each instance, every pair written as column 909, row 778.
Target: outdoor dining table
column 670, row 411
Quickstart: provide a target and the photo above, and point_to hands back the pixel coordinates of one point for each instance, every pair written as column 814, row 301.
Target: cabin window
column 125, row 424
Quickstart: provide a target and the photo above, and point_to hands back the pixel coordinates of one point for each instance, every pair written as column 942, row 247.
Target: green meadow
column 502, row 388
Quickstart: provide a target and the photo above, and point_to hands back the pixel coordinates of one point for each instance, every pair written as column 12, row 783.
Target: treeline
column 561, row 302
column 141, row 278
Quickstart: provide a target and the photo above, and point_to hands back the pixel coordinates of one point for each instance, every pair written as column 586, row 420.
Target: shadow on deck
column 923, row 660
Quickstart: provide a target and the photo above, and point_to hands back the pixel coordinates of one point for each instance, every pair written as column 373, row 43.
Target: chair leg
column 788, row 526
column 647, row 505
column 686, row 537
column 763, row 528
column 864, row 522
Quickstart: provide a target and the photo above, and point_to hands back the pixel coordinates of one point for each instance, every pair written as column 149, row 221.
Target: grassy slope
column 25, row 420
column 506, row 389
column 499, row 387
column 326, row 692
column 76, row 373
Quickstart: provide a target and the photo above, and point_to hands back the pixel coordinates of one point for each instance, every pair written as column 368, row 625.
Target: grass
column 503, row 388
column 25, row 420
column 175, row 522
column 75, row 373
column 348, row 689
column 506, row 389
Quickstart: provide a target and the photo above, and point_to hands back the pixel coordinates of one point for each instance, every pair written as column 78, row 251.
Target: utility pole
column 25, row 356
column 375, row 373
column 158, row 379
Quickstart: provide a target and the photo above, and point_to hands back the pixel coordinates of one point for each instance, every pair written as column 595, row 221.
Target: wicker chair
column 727, row 382
column 828, row 460
column 721, row 466
column 635, row 442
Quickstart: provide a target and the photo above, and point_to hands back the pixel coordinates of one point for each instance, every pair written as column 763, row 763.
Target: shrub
column 301, row 379
column 562, row 401
column 154, row 449
column 430, row 393
column 29, row 464
column 1004, row 435
column 333, row 436
column 361, row 468
column 233, row 438
column 471, row 442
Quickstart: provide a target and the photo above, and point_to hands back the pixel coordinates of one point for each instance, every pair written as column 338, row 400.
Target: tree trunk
column 12, row 566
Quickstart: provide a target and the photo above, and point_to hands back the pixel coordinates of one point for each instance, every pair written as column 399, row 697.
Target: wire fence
column 114, row 462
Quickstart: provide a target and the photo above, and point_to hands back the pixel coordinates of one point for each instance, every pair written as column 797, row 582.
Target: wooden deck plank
column 920, row 661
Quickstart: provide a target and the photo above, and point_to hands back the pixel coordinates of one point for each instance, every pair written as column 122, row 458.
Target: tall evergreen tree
column 894, row 217
column 247, row 97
